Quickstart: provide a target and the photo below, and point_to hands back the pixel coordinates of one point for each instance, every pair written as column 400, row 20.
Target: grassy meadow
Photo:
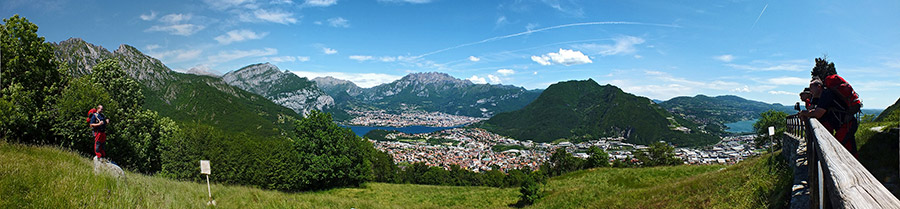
column 47, row 177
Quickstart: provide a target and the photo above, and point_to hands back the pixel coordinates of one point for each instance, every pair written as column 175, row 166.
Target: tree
column 658, row 154
column 597, row 158
column 30, row 80
column 562, row 162
column 530, row 192
column 767, row 119
column 331, row 156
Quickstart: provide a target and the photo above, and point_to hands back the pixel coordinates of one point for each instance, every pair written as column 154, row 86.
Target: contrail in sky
column 760, row 15
column 543, row 29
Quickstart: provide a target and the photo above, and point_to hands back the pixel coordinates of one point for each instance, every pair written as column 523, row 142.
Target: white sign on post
column 204, row 167
column 771, row 130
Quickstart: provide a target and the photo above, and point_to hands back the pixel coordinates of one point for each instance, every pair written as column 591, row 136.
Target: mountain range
column 714, row 112
column 584, row 110
column 430, row 92
column 283, row 88
column 186, row 98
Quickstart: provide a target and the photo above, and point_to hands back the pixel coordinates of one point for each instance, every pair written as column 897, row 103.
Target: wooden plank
column 848, row 183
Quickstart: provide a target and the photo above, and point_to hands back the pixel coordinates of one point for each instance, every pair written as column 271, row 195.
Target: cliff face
column 283, row 88
column 81, row 56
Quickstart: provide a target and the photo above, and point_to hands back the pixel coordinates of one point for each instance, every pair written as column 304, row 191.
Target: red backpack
column 846, row 91
column 90, row 113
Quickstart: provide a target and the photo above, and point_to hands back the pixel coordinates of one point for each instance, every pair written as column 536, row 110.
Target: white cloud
column 174, row 24
column 789, row 81
column 741, row 89
column 238, row 36
column 360, row 57
column 180, row 29
column 339, row 22
column 225, row 56
column 535, row 72
column 176, row 55
column 782, row 93
column 543, row 60
column 225, row 4
column 406, row 1
column 623, row 45
column 151, row 47
column 175, row 18
column 287, row 59
column 148, row 17
column 275, row 16
column 365, row 80
column 724, row 58
column 789, row 65
column 506, row 72
column 474, row 59
column 494, row 79
column 320, row 3
column 477, row 80
column 327, row 50
column 564, row 57
column 501, row 20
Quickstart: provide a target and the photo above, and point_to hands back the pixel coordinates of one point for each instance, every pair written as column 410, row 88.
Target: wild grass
column 47, row 177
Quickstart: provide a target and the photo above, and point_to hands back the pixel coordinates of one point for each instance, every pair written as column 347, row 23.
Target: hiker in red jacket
column 836, row 104
column 98, row 126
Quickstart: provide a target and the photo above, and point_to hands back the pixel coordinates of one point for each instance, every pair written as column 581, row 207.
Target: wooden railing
column 836, row 178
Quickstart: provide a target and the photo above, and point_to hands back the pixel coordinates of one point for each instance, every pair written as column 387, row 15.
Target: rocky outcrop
column 283, row 88
column 81, row 57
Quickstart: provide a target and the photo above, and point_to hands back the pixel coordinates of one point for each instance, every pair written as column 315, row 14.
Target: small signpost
column 771, row 130
column 205, row 169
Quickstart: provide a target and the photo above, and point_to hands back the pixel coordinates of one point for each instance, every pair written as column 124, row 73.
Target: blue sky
column 760, row 50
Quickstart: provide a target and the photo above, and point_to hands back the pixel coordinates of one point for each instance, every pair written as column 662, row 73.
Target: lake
column 362, row 130
column 745, row 126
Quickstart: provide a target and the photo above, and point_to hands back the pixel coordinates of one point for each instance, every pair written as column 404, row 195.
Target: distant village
column 409, row 118
column 474, row 149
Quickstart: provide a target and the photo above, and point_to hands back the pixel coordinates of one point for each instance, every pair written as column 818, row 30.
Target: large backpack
column 90, row 113
column 845, row 91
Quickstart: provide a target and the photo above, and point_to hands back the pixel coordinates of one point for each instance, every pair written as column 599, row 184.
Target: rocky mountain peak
column 433, row 78
column 283, row 88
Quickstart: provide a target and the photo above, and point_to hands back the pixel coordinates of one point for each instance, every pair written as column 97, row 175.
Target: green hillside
column 890, row 113
column 714, row 112
column 45, row 177
column 583, row 110
column 186, row 98
column 189, row 98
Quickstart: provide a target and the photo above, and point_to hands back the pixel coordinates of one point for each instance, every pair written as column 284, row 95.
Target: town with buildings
column 474, row 149
column 409, row 118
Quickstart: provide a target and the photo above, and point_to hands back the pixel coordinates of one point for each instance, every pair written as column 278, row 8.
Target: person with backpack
column 98, row 123
column 836, row 104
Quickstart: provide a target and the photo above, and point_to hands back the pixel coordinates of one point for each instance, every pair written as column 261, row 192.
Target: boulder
column 108, row 168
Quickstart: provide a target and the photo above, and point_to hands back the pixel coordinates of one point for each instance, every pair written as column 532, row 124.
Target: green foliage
column 138, row 142
column 189, row 99
column 585, row 110
column 504, row 147
column 30, row 79
column 597, row 158
column 383, row 167
column 530, row 192
column 331, row 156
column 72, row 106
column 658, row 154
column 121, row 88
column 767, row 119
column 561, row 162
